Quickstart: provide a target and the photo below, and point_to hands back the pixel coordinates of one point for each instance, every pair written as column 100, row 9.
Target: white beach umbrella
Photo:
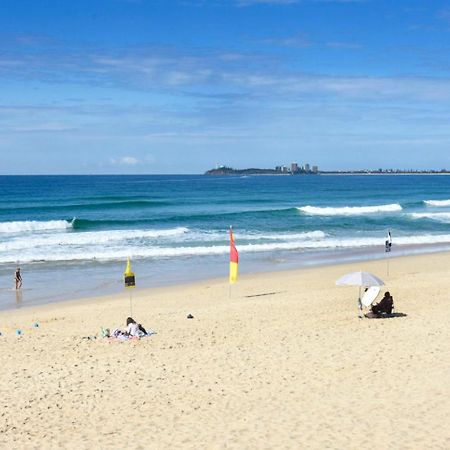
column 359, row 279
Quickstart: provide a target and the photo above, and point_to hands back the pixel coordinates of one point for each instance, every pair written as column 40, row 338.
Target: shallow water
column 72, row 234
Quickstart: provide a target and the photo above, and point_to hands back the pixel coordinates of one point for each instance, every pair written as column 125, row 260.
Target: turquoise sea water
column 71, row 235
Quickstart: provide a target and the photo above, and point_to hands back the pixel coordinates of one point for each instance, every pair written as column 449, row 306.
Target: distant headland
column 294, row 169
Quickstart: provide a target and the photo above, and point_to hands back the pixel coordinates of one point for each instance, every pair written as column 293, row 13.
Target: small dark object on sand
column 190, row 316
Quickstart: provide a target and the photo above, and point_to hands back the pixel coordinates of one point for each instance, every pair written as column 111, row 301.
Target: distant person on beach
column 135, row 329
column 18, row 278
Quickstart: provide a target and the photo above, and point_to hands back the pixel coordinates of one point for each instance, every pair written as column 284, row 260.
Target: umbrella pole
column 359, row 304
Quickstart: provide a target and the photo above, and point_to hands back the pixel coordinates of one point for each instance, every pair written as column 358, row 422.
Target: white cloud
column 128, row 160
column 205, row 73
column 43, row 127
column 124, row 161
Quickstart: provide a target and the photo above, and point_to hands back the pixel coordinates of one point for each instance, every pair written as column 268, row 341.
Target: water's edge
column 43, row 286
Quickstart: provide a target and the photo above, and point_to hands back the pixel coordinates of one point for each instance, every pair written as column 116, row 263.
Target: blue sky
column 176, row 86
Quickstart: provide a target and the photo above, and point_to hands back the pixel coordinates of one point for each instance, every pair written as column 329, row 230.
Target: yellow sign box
column 130, row 279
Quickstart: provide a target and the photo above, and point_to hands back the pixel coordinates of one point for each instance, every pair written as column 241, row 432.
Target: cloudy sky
column 176, row 86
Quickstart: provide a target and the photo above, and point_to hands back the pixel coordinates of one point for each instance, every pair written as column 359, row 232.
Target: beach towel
column 121, row 336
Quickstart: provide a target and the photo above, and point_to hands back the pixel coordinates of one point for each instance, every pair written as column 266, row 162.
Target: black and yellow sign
column 130, row 279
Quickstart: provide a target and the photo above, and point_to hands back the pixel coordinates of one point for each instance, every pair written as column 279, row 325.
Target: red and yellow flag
column 234, row 259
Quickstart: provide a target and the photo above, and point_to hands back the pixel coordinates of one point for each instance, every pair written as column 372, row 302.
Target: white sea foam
column 282, row 236
column 437, row 202
column 33, row 225
column 174, row 236
column 440, row 217
column 121, row 251
column 89, row 238
column 309, row 235
column 349, row 210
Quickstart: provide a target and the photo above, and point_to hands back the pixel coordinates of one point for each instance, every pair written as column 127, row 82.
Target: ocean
column 71, row 235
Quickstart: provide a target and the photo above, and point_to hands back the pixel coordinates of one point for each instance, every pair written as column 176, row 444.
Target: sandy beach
column 284, row 363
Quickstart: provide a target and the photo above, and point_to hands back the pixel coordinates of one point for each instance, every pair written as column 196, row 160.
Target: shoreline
column 141, row 292
column 107, row 279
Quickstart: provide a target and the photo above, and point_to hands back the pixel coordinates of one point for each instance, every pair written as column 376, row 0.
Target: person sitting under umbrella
column 385, row 305
column 360, row 279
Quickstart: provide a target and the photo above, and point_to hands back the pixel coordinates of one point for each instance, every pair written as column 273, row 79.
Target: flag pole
column 130, row 282
column 360, row 314
column 229, row 275
column 387, row 249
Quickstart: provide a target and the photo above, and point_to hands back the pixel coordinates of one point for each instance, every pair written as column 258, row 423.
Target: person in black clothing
column 18, row 278
column 385, row 305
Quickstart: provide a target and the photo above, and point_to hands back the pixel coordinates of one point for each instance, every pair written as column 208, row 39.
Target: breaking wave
column 440, row 217
column 437, row 202
column 119, row 250
column 91, row 239
column 349, row 210
column 33, row 225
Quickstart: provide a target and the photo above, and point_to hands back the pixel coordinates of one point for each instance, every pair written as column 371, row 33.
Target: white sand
column 294, row 369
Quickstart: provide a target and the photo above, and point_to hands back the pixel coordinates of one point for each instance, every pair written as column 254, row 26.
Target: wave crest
column 90, row 239
column 440, row 217
column 349, row 210
column 117, row 253
column 437, row 202
column 34, row 225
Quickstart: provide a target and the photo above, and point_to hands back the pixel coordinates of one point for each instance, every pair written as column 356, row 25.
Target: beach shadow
column 265, row 293
column 385, row 316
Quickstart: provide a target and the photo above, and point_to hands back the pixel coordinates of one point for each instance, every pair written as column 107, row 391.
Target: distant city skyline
column 295, row 167
column 153, row 86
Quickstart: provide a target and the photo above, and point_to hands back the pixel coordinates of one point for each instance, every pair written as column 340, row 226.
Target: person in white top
column 135, row 329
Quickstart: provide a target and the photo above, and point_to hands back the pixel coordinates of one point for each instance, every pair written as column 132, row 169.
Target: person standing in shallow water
column 18, row 278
